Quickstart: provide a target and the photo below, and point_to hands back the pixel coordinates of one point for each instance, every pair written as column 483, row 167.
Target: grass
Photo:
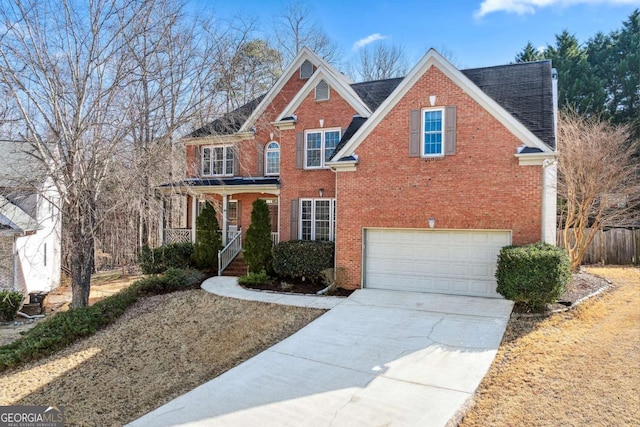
column 160, row 348
column 572, row 369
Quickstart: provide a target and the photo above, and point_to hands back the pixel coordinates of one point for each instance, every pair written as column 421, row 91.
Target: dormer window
column 306, row 69
column 272, row 158
column 322, row 91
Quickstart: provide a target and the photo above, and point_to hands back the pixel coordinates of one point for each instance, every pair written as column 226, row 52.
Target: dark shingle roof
column 229, row 123
column 375, row 92
column 355, row 124
column 525, row 91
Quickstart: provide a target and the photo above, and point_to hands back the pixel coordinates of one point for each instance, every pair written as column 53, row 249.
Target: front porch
column 232, row 199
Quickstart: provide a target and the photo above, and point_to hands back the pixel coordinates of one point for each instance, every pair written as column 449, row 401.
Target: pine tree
column 257, row 247
column 529, row 54
column 208, row 239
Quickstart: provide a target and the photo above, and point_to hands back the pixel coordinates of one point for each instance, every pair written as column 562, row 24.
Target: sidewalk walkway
column 228, row 287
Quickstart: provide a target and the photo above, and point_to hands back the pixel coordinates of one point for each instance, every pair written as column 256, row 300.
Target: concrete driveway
column 379, row 358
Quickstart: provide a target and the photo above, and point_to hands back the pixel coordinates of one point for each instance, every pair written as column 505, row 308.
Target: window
column 322, row 91
column 433, row 133
column 317, row 219
column 217, row 161
column 319, row 146
column 272, row 158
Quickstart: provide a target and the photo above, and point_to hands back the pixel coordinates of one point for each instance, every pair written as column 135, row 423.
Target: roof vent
column 306, row 69
column 322, row 91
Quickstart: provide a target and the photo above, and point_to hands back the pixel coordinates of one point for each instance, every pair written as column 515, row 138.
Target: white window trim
column 332, row 217
column 225, row 148
column 422, row 153
column 266, row 157
column 322, row 146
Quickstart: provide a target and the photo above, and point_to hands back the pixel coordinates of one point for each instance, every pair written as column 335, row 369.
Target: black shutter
column 450, row 130
column 294, row 220
column 260, row 150
column 414, row 133
column 299, row 150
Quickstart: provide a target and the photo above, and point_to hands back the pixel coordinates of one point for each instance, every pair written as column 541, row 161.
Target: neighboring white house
column 30, row 223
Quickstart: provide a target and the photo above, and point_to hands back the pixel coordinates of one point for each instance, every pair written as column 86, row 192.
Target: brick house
column 419, row 180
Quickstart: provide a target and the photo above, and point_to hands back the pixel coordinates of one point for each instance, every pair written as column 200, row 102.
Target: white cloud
column 522, row 7
column 369, row 39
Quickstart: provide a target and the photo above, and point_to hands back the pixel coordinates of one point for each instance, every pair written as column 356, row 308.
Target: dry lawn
column 579, row 368
column 162, row 347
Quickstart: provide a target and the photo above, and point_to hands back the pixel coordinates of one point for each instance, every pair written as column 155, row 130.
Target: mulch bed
column 582, row 285
column 298, row 287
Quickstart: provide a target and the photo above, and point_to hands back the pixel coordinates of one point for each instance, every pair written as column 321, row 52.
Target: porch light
column 321, row 192
column 432, row 100
column 321, row 123
column 432, row 222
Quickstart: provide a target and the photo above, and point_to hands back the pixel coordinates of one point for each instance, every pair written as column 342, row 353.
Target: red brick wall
column 480, row 187
column 301, row 183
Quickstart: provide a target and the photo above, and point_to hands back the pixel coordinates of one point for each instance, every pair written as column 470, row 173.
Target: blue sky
column 477, row 33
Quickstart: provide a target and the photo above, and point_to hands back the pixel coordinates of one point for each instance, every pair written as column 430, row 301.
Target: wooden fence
column 616, row 246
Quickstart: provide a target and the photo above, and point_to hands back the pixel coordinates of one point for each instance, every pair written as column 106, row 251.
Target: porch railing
column 176, row 235
column 275, row 237
column 229, row 252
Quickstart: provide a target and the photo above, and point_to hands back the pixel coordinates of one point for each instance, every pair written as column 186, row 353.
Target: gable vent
column 322, row 91
column 306, row 69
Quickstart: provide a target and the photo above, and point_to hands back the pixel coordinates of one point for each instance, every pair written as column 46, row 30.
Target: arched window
column 272, row 158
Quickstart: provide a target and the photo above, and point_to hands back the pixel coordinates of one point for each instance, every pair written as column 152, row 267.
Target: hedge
column 303, row 259
column 157, row 260
column 535, row 274
column 9, row 304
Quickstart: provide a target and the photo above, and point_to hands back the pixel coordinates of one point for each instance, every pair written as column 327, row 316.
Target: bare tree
column 597, row 181
column 100, row 88
column 171, row 61
column 382, row 61
column 296, row 28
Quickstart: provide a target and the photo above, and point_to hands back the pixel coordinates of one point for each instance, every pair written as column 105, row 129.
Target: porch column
column 224, row 220
column 194, row 204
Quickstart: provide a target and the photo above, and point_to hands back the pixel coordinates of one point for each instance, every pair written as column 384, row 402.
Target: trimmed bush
column 208, row 239
column 9, row 305
column 174, row 255
column 261, row 278
column 173, row 279
column 303, row 259
column 535, row 275
column 258, row 246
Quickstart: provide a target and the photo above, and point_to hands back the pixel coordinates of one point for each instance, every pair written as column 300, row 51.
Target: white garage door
column 441, row 261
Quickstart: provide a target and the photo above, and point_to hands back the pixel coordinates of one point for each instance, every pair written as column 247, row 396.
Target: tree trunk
column 82, row 259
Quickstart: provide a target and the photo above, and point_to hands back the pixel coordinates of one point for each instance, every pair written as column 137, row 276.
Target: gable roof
column 345, row 90
column 433, row 58
column 520, row 94
column 305, row 54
